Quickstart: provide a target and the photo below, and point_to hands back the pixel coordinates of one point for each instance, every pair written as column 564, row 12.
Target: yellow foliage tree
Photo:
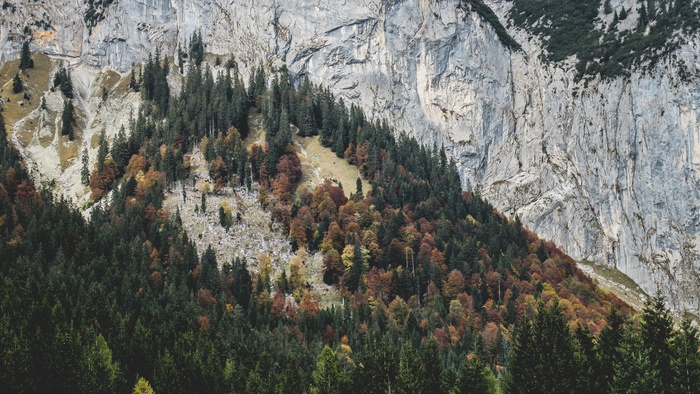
column 143, row 387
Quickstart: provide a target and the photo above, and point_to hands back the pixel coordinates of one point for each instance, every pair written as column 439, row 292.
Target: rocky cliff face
column 608, row 170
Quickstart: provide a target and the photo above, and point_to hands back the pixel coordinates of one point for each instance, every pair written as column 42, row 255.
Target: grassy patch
column 36, row 82
column 111, row 79
column 319, row 163
column 614, row 275
column 614, row 281
column 67, row 151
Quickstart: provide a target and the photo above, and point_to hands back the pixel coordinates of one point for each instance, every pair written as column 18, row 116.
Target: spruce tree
column 209, row 274
column 607, row 8
column 543, row 358
column 657, row 326
column 686, row 359
column 329, row 377
column 133, row 85
column 25, row 59
column 68, row 120
column 85, row 170
column 102, row 151
column 473, row 377
column 16, row 84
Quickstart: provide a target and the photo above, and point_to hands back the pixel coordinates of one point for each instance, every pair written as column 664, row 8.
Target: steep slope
column 605, row 168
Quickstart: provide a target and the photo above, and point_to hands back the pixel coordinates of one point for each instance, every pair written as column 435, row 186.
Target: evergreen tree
column 657, row 326
column 328, row 378
column 623, row 14
column 686, row 359
column 62, row 80
column 635, row 373
column 68, row 120
column 643, row 19
column 197, row 48
column 474, row 377
column 25, row 59
column 242, row 284
column 102, row 151
column 607, row 8
column 209, row 274
column 411, row 377
column 85, row 170
column 543, row 358
column 133, row 85
column 608, row 349
column 16, row 84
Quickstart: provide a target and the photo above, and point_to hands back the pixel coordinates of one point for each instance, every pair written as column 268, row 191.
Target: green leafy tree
column 142, row 387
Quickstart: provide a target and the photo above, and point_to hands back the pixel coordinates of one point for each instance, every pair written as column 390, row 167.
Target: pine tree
column 133, row 85
column 242, row 285
column 62, row 80
column 623, row 14
column 102, row 151
column 473, row 377
column 634, row 372
column 657, row 326
column 607, row 8
column 608, row 349
column 16, row 84
column 543, row 358
column 85, row 170
column 686, row 359
column 209, row 274
column 25, row 59
column 68, row 120
column 411, row 377
column 643, row 18
column 328, row 378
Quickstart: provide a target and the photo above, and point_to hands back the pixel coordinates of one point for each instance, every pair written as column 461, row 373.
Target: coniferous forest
column 441, row 293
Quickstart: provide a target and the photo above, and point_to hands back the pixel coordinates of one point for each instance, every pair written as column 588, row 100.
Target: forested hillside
column 441, row 293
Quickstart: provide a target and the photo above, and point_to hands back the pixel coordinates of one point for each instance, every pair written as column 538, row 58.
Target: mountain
column 601, row 161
